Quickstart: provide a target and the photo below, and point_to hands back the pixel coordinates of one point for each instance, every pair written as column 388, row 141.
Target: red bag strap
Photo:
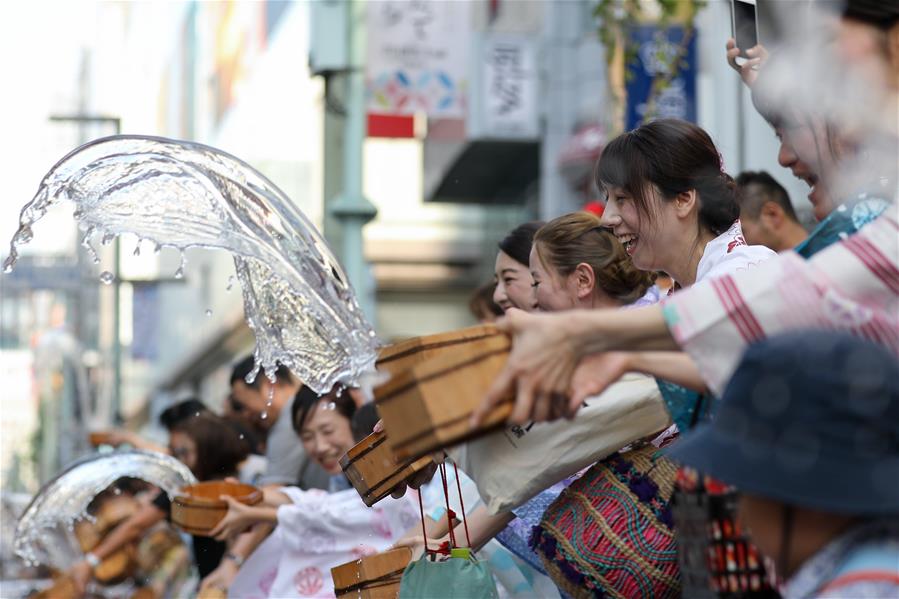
column 445, row 548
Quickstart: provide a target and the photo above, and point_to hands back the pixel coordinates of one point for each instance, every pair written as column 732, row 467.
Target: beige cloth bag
column 514, row 464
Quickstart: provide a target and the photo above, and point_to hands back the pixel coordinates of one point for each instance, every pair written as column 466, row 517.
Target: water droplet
column 208, row 312
column 157, row 248
column 179, row 274
column 8, row 264
column 263, row 416
column 230, row 283
column 107, row 277
column 107, row 238
column 241, row 436
column 136, row 251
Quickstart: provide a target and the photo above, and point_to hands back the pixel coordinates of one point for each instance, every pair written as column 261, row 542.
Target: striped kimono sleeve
column 850, row 286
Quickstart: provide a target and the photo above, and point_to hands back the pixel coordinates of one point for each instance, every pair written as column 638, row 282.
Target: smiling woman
column 323, row 424
column 667, row 196
column 513, row 279
column 576, row 263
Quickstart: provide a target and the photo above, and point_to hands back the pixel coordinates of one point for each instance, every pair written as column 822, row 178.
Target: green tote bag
column 454, row 578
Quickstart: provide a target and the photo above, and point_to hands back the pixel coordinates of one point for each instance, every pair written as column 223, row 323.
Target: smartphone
column 745, row 25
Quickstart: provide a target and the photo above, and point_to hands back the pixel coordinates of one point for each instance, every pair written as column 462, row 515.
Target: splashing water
column 297, row 299
column 107, row 277
column 270, row 399
column 43, row 533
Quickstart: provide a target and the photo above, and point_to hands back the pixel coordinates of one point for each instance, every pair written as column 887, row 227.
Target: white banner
column 417, row 59
column 510, row 89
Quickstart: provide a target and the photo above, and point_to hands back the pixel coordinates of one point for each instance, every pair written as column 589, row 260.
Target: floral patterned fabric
column 316, row 532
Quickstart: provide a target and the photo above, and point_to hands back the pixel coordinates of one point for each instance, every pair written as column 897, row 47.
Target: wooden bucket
column 428, row 406
column 117, row 567
column 374, row 469
column 99, row 438
column 401, row 356
column 153, row 547
column 123, row 562
column 198, row 509
column 372, row 577
column 144, row 593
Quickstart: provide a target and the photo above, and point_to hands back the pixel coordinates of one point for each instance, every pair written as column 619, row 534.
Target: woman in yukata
column 315, row 530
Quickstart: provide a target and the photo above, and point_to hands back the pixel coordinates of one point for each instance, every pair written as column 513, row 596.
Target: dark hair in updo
column 517, row 244
column 674, row 156
column 578, row 238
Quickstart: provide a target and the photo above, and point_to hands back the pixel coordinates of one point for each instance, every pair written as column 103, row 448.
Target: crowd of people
column 773, row 350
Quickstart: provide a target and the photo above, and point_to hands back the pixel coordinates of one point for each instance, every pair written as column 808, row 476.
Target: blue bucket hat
column 810, row 419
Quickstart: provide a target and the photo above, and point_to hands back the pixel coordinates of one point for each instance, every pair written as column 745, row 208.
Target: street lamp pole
column 116, row 123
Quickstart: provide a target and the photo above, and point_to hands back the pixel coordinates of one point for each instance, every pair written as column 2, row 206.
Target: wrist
column 235, row 559
column 634, row 362
column 578, row 329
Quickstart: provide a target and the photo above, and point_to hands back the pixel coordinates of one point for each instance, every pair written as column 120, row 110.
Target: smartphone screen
column 745, row 28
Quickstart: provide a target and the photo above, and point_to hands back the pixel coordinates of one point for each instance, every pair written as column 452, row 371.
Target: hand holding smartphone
column 744, row 52
column 745, row 26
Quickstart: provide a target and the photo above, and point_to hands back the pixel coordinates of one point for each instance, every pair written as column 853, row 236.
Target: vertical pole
column 117, row 317
column 560, row 24
column 352, row 210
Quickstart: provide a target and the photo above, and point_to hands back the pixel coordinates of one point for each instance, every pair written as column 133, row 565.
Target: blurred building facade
column 509, row 136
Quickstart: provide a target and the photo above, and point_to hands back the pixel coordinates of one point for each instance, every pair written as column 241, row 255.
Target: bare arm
column 272, row 496
column 676, row 367
column 483, row 526
column 547, row 349
column 124, row 533
column 129, row 530
column 240, row 517
column 242, row 547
